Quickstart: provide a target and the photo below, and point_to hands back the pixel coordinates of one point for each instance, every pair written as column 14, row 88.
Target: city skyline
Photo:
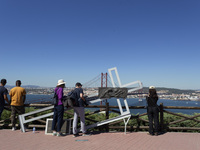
column 156, row 42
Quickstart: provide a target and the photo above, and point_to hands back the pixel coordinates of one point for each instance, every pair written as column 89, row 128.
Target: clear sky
column 154, row 41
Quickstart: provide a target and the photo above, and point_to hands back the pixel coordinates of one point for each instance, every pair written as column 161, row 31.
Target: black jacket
column 152, row 101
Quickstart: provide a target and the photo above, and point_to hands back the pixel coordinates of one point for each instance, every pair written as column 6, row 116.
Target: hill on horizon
column 171, row 90
column 24, row 86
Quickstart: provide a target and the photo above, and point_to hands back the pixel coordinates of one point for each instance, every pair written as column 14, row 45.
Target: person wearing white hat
column 61, row 82
column 153, row 111
column 58, row 109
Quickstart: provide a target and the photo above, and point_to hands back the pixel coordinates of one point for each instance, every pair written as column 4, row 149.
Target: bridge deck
column 109, row 141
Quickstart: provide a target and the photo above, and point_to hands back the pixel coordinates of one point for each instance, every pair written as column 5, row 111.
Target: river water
column 131, row 102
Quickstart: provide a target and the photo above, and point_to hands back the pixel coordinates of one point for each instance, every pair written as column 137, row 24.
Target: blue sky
column 154, row 41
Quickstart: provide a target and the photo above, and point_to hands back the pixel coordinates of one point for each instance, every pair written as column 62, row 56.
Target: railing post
column 161, row 118
column 107, row 116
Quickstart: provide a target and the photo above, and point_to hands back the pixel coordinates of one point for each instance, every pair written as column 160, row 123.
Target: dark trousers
column 58, row 117
column 153, row 115
column 16, row 110
column 1, row 110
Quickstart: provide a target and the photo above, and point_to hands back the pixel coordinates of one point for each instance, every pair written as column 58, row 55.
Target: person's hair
column 78, row 84
column 3, row 81
column 61, row 85
column 18, row 83
column 153, row 93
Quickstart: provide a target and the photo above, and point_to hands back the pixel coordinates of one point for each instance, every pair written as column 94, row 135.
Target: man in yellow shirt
column 17, row 97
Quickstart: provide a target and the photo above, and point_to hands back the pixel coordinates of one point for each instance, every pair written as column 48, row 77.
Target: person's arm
column 24, row 98
column 81, row 96
column 6, row 98
column 156, row 99
column 10, row 97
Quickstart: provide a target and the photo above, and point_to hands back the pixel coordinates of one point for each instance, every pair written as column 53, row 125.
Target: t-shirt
column 3, row 91
column 16, row 93
column 59, row 92
column 79, row 101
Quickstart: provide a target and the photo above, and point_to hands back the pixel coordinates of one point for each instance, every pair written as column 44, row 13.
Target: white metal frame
column 124, row 114
column 22, row 119
column 126, row 85
column 130, row 90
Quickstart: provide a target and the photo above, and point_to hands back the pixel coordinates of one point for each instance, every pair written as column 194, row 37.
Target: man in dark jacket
column 3, row 95
column 79, row 110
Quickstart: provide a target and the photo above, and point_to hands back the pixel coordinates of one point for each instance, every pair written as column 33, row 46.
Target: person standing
column 79, row 110
column 153, row 111
column 58, row 109
column 17, row 97
column 3, row 95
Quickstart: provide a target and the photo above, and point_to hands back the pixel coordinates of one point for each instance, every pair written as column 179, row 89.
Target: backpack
column 72, row 100
column 55, row 98
column 69, row 100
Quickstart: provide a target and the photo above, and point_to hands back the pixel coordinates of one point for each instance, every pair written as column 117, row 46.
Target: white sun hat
column 152, row 87
column 60, row 82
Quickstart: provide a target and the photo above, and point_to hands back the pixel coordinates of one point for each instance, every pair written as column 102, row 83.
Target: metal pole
column 106, row 82
column 107, row 116
column 101, row 86
column 161, row 118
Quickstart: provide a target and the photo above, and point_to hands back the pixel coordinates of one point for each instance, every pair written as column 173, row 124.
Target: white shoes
column 13, row 128
column 84, row 134
column 54, row 134
column 57, row 134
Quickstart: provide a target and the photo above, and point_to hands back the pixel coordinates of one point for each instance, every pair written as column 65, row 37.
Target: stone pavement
column 16, row 140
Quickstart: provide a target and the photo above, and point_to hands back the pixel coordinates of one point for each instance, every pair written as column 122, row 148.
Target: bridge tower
column 140, row 94
column 104, row 81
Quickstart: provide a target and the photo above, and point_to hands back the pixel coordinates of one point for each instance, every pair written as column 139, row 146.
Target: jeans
column 79, row 111
column 58, row 118
column 153, row 115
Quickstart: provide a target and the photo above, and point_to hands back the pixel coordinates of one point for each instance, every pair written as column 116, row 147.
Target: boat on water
column 140, row 100
column 194, row 98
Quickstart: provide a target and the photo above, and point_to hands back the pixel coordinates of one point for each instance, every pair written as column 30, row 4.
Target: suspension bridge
column 104, row 80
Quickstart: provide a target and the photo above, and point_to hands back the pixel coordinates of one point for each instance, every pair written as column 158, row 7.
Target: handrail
column 180, row 107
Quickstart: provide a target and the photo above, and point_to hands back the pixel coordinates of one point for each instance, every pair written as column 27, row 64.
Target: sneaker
column 150, row 134
column 75, row 135
column 54, row 134
column 84, row 134
column 156, row 133
column 13, row 128
column 59, row 134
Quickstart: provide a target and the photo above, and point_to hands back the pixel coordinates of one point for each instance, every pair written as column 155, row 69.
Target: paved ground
column 15, row 140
